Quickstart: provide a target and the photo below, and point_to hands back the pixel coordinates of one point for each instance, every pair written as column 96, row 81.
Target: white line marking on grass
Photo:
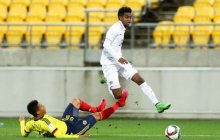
column 127, row 135
column 200, row 135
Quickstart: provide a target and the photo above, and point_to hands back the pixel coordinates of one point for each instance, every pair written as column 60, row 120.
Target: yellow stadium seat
column 204, row 12
column 95, row 34
column 37, row 12
column 145, row 1
column 73, row 35
column 4, row 11
column 18, row 11
column 201, row 33
column 181, row 33
column 185, row 13
column 216, row 34
column 3, row 30
column 5, row 2
column 24, row 2
column 96, row 17
column 217, row 12
column 216, row 27
column 120, row 2
column 181, row 18
column 96, row 4
column 111, row 17
column 136, row 7
column 56, row 12
column 75, row 14
column 216, row 19
column 211, row 2
column 54, row 34
column 42, row 2
column 134, row 4
column 201, row 19
column 216, row 5
column 162, row 33
column 34, row 33
column 201, row 4
column 15, row 33
column 78, row 3
column 114, row 4
column 208, row 28
column 216, row 38
column 62, row 2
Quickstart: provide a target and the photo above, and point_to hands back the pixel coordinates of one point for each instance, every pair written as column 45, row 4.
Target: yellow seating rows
column 202, row 19
column 57, row 11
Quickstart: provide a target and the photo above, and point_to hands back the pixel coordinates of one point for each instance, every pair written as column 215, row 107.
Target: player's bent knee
column 140, row 81
column 96, row 116
column 137, row 79
column 76, row 102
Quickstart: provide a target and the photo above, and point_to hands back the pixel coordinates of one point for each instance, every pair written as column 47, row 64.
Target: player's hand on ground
column 123, row 61
column 21, row 118
column 84, row 136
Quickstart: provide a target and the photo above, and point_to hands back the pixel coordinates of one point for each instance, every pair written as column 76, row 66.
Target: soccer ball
column 172, row 132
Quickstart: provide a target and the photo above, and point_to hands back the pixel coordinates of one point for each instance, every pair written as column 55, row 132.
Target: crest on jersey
column 84, row 122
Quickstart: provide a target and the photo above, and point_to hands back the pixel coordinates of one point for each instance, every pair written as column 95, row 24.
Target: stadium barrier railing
column 134, row 34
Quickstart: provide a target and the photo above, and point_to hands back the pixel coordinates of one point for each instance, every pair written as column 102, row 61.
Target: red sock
column 108, row 112
column 87, row 107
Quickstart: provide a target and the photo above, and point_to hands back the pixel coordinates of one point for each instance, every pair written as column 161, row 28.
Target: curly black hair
column 32, row 107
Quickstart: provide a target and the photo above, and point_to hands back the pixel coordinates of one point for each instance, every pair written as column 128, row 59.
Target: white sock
column 149, row 92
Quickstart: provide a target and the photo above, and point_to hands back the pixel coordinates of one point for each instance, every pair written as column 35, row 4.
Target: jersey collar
column 122, row 26
column 39, row 118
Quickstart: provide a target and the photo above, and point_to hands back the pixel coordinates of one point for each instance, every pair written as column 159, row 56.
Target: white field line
column 146, row 135
column 138, row 135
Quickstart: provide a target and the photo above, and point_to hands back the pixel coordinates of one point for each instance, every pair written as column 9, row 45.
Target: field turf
column 125, row 129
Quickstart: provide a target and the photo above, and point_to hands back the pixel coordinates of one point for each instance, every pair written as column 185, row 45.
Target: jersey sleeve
column 110, row 36
column 49, row 126
column 25, row 129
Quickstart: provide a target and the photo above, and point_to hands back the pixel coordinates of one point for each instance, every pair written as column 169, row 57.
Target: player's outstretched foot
column 101, row 106
column 121, row 101
column 161, row 107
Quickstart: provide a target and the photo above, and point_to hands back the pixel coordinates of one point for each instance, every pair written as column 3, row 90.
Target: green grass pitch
column 131, row 129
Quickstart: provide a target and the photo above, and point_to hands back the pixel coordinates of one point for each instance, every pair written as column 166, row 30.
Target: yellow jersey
column 48, row 126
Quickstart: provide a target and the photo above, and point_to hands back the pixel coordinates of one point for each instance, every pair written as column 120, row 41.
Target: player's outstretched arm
column 22, row 126
column 58, row 134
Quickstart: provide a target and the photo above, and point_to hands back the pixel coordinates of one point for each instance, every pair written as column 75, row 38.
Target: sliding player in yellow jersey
column 70, row 126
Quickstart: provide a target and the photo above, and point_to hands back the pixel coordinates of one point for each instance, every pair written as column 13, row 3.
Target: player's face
column 126, row 19
column 41, row 109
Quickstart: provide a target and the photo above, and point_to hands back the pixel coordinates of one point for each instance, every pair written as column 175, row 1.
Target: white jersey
column 114, row 38
column 111, row 54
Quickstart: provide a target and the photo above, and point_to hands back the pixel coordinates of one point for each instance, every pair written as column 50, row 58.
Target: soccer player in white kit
column 114, row 64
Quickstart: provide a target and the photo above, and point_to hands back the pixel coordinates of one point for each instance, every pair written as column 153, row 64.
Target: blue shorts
column 74, row 125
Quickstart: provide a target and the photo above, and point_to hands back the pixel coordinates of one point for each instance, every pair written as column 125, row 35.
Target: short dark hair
column 32, row 107
column 123, row 10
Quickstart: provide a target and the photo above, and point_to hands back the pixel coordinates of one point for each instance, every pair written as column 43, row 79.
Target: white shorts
column 111, row 73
